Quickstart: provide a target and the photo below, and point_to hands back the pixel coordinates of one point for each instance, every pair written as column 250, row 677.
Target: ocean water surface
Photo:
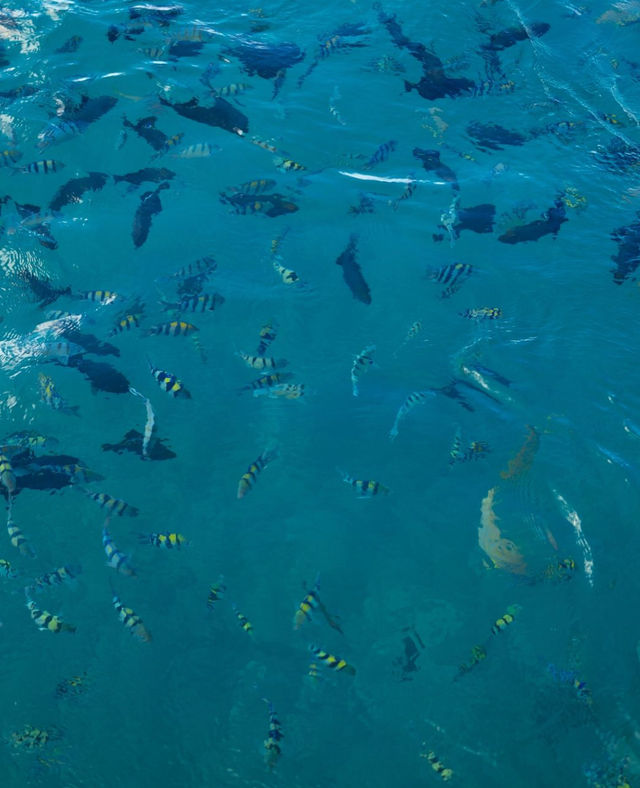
column 342, row 301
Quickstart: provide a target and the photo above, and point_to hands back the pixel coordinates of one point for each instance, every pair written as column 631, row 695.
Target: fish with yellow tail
column 45, row 621
column 331, row 661
column 312, row 602
column 51, row 397
column 17, row 537
column 436, row 764
column 479, row 651
column 367, row 488
column 116, row 559
column 272, row 742
column 361, row 364
column 131, row 620
column 250, row 476
column 502, row 553
column 63, row 575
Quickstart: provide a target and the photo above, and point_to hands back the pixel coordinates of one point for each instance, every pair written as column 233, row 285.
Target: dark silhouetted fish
column 41, row 473
column 32, row 220
column 146, row 128
column 431, row 162
column 221, row 114
column 146, row 175
column 70, row 45
column 44, row 293
column 351, row 272
column 185, row 49
column 477, row 218
column 512, row 35
column 102, row 376
column 490, row 136
column 549, row 224
column 150, row 205
column 90, row 109
column 434, row 83
column 89, row 342
column 628, row 257
column 618, row 156
column 23, row 91
column 72, row 191
column 266, row 60
column 132, row 442
column 269, row 204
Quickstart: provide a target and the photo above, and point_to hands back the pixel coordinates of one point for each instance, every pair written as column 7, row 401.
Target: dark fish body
column 149, row 207
column 266, row 60
column 431, row 162
column 132, row 442
column 271, row 205
column 102, row 376
column 477, row 218
column 627, row 258
column 72, row 190
column 24, row 91
column 220, row 113
column 70, row 45
column 41, row 288
column 185, row 49
column 351, row 272
column 490, row 136
column 512, row 35
column 548, row 225
column 91, row 109
column 146, row 128
column 146, row 175
column 90, row 342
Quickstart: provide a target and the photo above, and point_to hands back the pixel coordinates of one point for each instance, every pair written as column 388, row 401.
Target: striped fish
column 112, row 505
column 453, row 276
column 131, row 620
column 116, row 559
column 250, row 476
column 176, row 328
column 168, row 382
column 331, row 661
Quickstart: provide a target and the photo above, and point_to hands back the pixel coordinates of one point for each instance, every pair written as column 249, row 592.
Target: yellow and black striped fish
column 331, row 661
column 289, row 165
column 504, row 621
column 41, row 167
column 258, row 186
column 199, row 150
column 250, row 476
column 7, row 476
column 267, row 381
column 168, row 382
column 46, row 621
column 126, row 323
column 216, row 592
column 112, row 505
column 116, row 559
column 272, row 742
column 103, row 297
column 131, row 620
column 282, row 390
column 366, row 488
column 361, row 364
column 18, row 539
column 176, row 328
column 452, row 275
column 268, row 334
column 196, row 302
column 482, row 313
column 244, row 621
column 62, row 575
column 262, row 362
column 436, row 764
column 310, row 602
column 167, row 541
column 233, row 89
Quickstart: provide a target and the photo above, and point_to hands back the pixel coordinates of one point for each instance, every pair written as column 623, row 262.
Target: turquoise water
column 526, row 429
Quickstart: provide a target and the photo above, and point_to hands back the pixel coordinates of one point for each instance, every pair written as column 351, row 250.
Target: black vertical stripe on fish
column 150, row 205
column 351, row 272
column 221, row 113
